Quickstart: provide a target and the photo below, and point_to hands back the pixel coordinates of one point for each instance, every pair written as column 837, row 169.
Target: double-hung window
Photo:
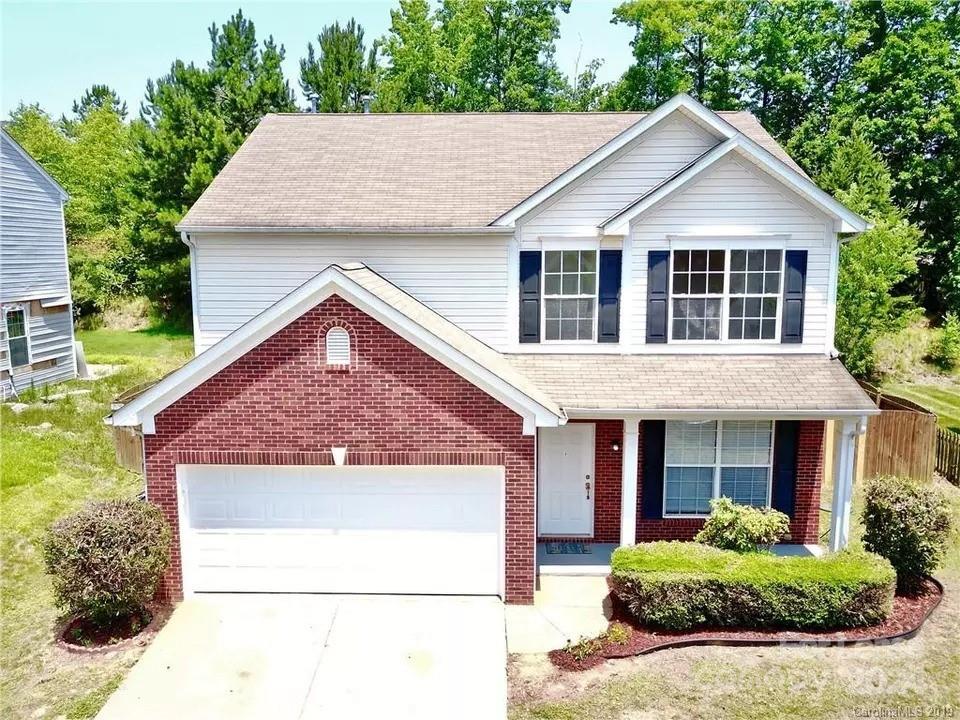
column 725, row 294
column 570, row 294
column 711, row 459
column 17, row 340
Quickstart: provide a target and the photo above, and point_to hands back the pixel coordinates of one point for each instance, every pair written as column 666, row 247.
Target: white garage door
column 362, row 529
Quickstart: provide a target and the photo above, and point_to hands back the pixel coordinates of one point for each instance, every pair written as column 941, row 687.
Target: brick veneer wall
column 804, row 526
column 395, row 405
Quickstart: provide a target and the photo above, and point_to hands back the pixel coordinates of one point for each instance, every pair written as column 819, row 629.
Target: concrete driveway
column 321, row 656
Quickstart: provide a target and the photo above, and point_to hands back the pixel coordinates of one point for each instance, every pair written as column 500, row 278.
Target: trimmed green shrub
column 681, row 586
column 107, row 559
column 945, row 350
column 908, row 523
column 741, row 527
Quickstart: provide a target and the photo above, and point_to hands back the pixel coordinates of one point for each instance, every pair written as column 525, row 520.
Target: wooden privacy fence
column 948, row 455
column 129, row 446
column 901, row 440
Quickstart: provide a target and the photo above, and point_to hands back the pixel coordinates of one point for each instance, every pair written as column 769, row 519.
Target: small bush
column 618, row 633
column 107, row 559
column 907, row 523
column 945, row 350
column 681, row 586
column 584, row 648
column 741, row 527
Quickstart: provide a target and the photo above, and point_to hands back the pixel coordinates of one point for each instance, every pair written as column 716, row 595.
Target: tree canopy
column 864, row 94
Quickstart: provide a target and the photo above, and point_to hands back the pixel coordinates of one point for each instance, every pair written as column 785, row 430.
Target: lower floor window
column 17, row 341
column 713, row 458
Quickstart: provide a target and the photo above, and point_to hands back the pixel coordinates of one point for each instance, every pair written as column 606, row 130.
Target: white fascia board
column 849, row 221
column 681, row 102
column 142, row 409
column 714, row 413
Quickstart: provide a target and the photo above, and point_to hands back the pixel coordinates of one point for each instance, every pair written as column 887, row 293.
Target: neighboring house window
column 570, row 294
column 17, row 340
column 725, row 294
column 711, row 459
column 338, row 346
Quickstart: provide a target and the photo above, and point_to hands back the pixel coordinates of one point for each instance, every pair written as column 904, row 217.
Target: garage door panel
column 354, row 529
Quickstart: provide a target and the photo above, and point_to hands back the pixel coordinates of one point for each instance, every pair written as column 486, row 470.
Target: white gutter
column 662, row 414
column 432, row 230
column 194, row 294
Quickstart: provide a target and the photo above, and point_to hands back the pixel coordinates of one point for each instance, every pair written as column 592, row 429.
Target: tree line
column 865, row 95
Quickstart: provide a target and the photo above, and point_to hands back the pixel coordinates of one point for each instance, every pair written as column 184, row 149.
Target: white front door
column 352, row 529
column 566, row 482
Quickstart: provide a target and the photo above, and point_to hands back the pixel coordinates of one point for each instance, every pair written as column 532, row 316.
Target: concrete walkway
column 321, row 656
column 565, row 608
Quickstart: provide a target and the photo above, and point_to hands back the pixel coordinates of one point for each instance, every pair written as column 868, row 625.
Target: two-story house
column 426, row 343
column 36, row 321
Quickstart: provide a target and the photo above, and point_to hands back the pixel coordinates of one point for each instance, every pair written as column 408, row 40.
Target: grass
column 921, row 675
column 45, row 473
column 104, row 345
column 906, row 372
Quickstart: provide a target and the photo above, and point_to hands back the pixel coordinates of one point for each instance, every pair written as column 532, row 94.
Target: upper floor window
column 570, row 294
column 711, row 459
column 337, row 343
column 17, row 340
column 725, row 294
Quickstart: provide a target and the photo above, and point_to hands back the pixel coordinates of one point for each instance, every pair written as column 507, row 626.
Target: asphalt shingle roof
column 791, row 383
column 407, row 170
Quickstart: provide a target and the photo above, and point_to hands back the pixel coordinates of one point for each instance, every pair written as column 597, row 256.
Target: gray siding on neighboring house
column 33, row 268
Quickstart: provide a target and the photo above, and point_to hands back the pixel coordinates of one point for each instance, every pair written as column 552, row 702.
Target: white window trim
column 592, row 340
column 725, row 298
column 25, row 309
column 717, row 466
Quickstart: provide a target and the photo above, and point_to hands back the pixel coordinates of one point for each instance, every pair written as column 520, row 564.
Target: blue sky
column 52, row 51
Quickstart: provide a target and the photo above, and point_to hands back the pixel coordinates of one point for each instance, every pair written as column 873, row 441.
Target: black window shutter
column 785, row 445
column 658, row 292
column 608, row 319
column 794, row 282
column 654, row 435
column 530, row 296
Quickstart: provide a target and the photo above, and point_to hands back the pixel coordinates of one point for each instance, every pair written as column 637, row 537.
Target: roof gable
column 799, row 184
column 387, row 304
column 47, row 177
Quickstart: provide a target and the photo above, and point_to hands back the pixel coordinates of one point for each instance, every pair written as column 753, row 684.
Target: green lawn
column 103, row 344
column 46, row 473
column 763, row 683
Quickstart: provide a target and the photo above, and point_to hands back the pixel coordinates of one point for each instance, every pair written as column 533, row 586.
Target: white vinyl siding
column 464, row 278
column 659, row 153
column 33, row 260
column 736, row 201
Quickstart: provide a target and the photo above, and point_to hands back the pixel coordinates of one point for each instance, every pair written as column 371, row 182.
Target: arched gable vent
column 338, row 346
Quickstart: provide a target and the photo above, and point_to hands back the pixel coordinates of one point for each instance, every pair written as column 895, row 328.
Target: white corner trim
column 849, row 221
column 682, row 102
column 142, row 409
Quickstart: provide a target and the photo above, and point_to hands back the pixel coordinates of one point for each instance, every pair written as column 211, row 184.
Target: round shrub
column 909, row 524
column 741, row 527
column 107, row 559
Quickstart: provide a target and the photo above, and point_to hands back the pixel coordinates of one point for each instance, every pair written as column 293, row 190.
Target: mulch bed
column 78, row 634
column 909, row 614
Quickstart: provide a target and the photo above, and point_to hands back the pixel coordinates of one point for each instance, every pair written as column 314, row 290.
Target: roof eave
column 344, row 230
column 718, row 413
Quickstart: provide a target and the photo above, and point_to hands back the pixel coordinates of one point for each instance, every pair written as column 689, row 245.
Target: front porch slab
column 594, row 563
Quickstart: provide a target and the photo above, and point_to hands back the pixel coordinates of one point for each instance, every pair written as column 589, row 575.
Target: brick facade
column 804, row 525
column 395, row 405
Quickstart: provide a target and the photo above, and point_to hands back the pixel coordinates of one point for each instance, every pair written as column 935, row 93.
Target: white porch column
column 846, row 445
column 628, row 482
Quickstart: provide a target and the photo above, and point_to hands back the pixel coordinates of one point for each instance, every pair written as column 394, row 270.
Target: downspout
column 194, row 299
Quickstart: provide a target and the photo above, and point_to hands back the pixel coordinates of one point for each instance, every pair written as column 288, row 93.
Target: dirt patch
column 909, row 613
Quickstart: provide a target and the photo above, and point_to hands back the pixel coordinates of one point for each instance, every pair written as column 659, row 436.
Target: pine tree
column 341, row 72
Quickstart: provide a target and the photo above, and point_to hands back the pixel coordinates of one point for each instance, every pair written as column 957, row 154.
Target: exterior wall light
column 615, row 445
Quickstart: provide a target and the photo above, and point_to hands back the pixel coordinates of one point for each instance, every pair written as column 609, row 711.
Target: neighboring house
column 36, row 332
column 427, row 342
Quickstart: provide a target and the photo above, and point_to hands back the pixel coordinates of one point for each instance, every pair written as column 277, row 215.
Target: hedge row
column 680, row 585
